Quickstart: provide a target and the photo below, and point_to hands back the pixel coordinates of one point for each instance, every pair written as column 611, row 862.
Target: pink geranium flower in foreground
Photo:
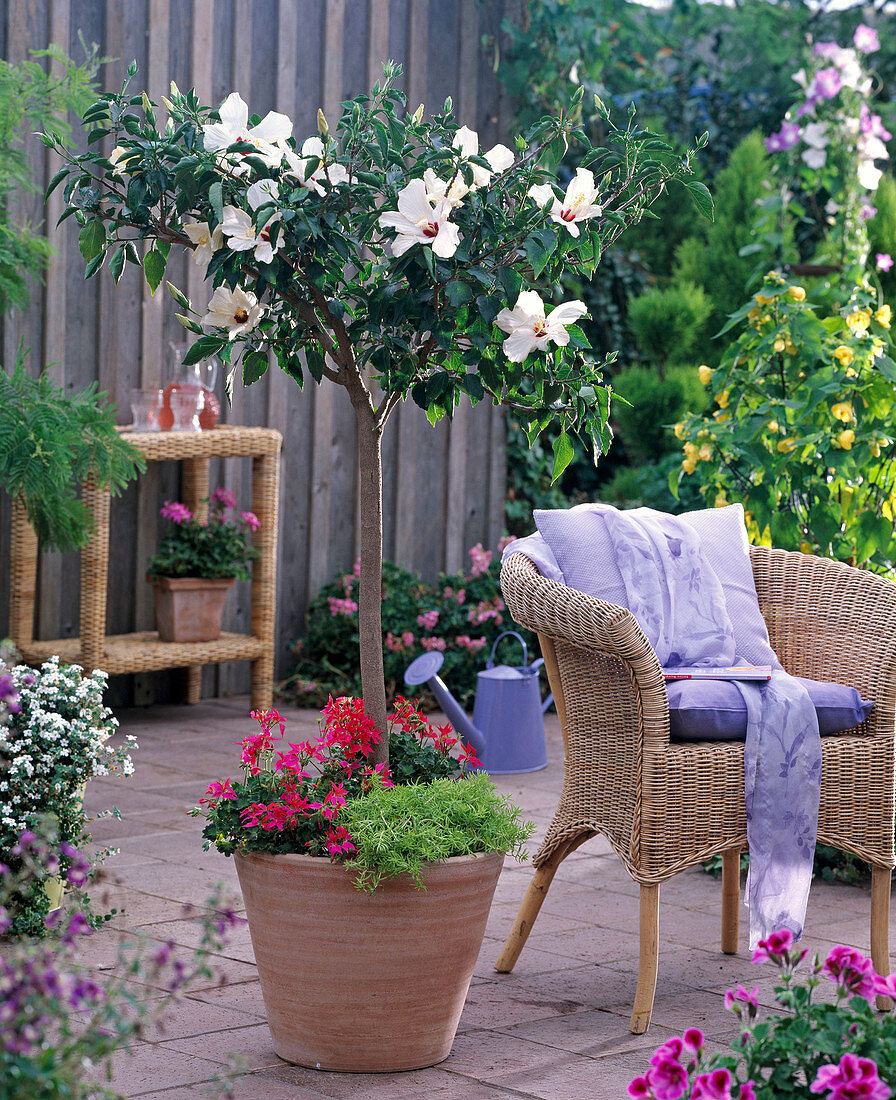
column 775, row 947
column 249, row 519
column 851, row 1079
column 852, row 971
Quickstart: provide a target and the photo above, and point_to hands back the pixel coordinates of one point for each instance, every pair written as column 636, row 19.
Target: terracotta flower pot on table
column 190, row 609
column 359, row 982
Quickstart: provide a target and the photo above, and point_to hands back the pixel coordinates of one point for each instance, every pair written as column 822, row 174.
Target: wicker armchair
column 665, row 806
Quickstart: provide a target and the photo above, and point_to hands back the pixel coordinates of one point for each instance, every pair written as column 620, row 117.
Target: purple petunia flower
column 827, row 83
column 865, row 39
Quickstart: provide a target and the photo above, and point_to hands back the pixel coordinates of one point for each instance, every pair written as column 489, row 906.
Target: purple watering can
column 507, row 730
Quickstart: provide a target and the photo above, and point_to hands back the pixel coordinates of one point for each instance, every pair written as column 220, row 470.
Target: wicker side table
column 143, row 652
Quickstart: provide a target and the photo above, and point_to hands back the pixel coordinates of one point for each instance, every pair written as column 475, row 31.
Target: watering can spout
column 424, row 670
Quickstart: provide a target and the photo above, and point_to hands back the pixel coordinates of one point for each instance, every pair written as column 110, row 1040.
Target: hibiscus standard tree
column 392, row 257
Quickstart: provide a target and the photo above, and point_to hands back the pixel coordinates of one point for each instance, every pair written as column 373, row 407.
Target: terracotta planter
column 190, row 609
column 365, row 983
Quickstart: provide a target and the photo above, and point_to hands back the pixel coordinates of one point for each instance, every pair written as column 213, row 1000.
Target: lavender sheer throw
column 679, row 603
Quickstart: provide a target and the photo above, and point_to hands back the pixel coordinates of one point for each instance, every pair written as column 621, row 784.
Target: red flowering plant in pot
column 411, row 864
column 197, row 564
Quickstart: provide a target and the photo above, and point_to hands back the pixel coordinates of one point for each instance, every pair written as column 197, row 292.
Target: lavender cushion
column 579, row 540
column 714, row 710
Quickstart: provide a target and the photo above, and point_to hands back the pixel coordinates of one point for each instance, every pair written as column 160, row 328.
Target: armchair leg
column 880, row 927
column 531, row 905
column 648, row 958
column 730, row 900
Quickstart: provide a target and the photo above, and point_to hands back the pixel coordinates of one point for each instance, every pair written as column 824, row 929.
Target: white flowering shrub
column 49, row 748
column 391, row 256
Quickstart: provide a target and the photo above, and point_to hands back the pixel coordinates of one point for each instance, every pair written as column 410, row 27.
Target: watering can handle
column 490, row 663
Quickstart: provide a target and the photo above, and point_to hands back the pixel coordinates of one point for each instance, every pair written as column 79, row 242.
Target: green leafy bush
column 882, row 233
column 396, row 830
column 529, row 484
column 712, row 258
column 647, row 486
column 667, row 321
column 461, row 615
column 655, row 405
column 32, row 98
column 801, row 425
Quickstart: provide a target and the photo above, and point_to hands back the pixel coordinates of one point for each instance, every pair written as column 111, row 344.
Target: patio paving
column 555, row 1029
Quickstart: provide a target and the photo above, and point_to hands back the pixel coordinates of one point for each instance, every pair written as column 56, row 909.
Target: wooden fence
column 444, row 486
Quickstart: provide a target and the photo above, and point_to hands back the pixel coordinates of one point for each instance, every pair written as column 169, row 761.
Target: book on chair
column 730, row 672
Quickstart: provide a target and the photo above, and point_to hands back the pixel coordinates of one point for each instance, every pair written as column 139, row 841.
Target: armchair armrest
column 581, row 622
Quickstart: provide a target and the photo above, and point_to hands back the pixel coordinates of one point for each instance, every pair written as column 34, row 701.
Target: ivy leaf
column 539, row 248
column 56, row 180
column 154, row 269
column 94, row 265
column 216, row 200
column 458, row 292
column 92, row 239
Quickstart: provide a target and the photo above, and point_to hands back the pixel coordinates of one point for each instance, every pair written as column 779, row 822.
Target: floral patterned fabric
column 679, row 603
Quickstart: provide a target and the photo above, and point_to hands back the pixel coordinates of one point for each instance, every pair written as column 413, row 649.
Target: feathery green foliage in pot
column 52, row 442
column 396, row 830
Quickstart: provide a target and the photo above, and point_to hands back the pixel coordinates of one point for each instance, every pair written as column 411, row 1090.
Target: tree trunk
column 370, row 484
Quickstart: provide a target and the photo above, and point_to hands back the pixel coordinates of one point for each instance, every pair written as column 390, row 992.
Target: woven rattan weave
column 665, row 806
column 144, row 652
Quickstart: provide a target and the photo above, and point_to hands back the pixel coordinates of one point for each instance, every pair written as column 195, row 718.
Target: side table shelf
column 143, row 651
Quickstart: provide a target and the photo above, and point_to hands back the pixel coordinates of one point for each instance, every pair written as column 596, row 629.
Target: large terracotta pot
column 190, row 609
column 365, row 983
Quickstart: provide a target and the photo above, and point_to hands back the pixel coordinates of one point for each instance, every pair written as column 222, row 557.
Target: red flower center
column 241, row 316
column 430, row 229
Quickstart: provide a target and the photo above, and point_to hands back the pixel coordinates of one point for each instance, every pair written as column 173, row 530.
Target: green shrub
column 648, row 487
column 469, row 615
column 666, row 322
column 656, row 404
column 711, row 258
column 529, row 483
column 801, row 427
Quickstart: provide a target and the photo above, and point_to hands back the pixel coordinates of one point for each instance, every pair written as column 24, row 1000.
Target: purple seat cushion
column 714, row 710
